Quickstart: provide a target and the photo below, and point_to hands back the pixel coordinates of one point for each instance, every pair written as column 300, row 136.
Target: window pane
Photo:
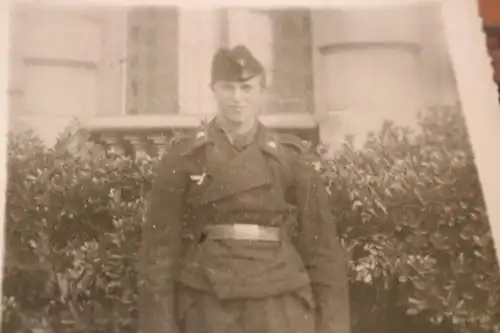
column 152, row 51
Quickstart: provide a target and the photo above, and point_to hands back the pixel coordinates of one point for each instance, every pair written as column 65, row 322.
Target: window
column 168, row 56
column 151, row 61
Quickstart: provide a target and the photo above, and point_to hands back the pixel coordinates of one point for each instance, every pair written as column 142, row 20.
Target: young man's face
column 239, row 102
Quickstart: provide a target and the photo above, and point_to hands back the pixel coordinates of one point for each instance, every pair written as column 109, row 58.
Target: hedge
column 410, row 214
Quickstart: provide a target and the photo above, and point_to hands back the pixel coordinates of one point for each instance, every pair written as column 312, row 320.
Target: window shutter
column 151, row 74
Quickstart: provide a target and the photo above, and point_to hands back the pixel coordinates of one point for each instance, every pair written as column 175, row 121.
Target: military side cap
column 235, row 65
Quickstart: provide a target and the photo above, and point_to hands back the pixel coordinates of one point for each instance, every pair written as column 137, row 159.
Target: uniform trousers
column 203, row 312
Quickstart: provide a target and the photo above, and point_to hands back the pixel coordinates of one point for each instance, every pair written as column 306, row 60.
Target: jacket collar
column 268, row 141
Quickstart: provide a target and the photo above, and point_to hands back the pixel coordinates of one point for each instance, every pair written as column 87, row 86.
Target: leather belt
column 243, row 232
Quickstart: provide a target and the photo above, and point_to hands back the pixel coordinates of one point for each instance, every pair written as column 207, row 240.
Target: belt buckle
column 246, row 231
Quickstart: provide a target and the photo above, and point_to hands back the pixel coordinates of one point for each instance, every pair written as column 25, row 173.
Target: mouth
column 236, row 109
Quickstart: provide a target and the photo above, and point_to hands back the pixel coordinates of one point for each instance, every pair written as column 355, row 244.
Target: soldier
column 239, row 236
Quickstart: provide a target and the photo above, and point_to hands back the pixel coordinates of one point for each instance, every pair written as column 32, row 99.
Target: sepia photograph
column 246, row 170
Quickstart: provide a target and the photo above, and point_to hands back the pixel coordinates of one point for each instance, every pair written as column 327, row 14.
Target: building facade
column 127, row 73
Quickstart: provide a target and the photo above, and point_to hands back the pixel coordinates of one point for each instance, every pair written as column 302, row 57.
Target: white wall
column 59, row 69
column 368, row 66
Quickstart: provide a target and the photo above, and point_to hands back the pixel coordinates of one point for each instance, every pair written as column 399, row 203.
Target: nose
column 236, row 94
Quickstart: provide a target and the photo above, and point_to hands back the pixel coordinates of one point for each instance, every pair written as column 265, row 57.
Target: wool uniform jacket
column 202, row 180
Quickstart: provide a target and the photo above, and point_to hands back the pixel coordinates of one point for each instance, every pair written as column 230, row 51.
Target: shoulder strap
column 188, row 143
column 293, row 141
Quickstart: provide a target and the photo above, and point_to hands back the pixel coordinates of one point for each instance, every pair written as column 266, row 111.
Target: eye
column 246, row 87
column 226, row 86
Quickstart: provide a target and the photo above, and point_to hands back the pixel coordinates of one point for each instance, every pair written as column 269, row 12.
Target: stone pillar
column 366, row 68
column 57, row 69
column 199, row 38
